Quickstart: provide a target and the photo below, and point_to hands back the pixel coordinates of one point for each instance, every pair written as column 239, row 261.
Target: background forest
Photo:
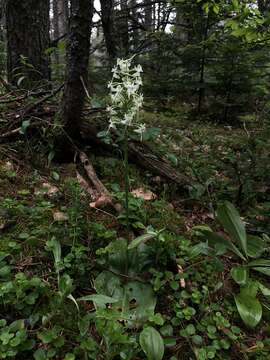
column 134, row 179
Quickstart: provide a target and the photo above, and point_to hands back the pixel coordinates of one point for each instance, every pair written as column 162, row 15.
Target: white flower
column 127, row 119
column 123, row 64
column 138, row 101
column 126, row 100
column 140, row 130
column 138, row 69
column 115, row 72
column 112, row 125
column 131, row 87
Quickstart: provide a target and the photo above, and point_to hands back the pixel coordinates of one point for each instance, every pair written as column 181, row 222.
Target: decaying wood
column 144, row 156
column 99, row 194
column 140, row 154
column 87, row 188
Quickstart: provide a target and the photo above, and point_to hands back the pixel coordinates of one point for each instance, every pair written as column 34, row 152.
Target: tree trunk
column 202, row 69
column 148, row 15
column 55, row 25
column 77, row 68
column 135, row 28
column 123, row 29
column 27, row 23
column 107, row 7
column 63, row 14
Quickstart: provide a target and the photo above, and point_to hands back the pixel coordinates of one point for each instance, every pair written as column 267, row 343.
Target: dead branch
column 32, row 107
column 100, row 194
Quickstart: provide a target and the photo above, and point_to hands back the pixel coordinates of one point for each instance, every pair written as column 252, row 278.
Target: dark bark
column 148, row 15
column 135, row 27
column 202, row 69
column 55, row 24
column 27, row 23
column 123, row 28
column 107, row 19
column 77, row 67
column 55, row 20
column 63, row 14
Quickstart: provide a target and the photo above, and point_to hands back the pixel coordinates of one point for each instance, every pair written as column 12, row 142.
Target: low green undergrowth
column 78, row 286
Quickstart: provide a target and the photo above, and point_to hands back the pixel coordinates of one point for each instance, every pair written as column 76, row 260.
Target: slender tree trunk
column 55, row 24
column 228, row 92
column 124, row 28
column 135, row 31
column 63, row 14
column 78, row 47
column 148, row 15
column 181, row 25
column 27, row 23
column 107, row 19
column 202, row 70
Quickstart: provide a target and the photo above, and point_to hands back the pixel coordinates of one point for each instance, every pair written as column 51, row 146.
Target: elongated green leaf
column 249, row 309
column 255, row 246
column 265, row 290
column 239, row 275
column 99, row 299
column 136, row 242
column 71, row 297
column 152, row 343
column 230, row 219
column 214, row 238
column 259, row 262
column 263, row 270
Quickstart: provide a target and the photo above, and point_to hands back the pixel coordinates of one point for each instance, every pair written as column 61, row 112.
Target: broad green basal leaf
column 140, row 302
column 217, row 240
column 239, row 275
column 99, row 299
column 249, row 309
column 230, row 219
column 135, row 300
column 152, row 343
column 255, row 246
column 143, row 238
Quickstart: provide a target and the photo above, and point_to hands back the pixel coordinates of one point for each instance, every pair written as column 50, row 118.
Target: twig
column 41, row 101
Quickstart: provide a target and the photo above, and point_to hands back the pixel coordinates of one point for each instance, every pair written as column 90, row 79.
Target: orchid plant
column 126, row 102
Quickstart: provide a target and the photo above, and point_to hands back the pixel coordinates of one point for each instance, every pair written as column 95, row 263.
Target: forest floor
column 63, row 263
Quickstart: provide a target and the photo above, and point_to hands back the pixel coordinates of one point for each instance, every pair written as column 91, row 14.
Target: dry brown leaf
column 147, row 195
column 181, row 281
column 60, row 216
column 47, row 189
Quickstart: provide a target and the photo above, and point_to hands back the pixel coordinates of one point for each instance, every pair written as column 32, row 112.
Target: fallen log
column 139, row 153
